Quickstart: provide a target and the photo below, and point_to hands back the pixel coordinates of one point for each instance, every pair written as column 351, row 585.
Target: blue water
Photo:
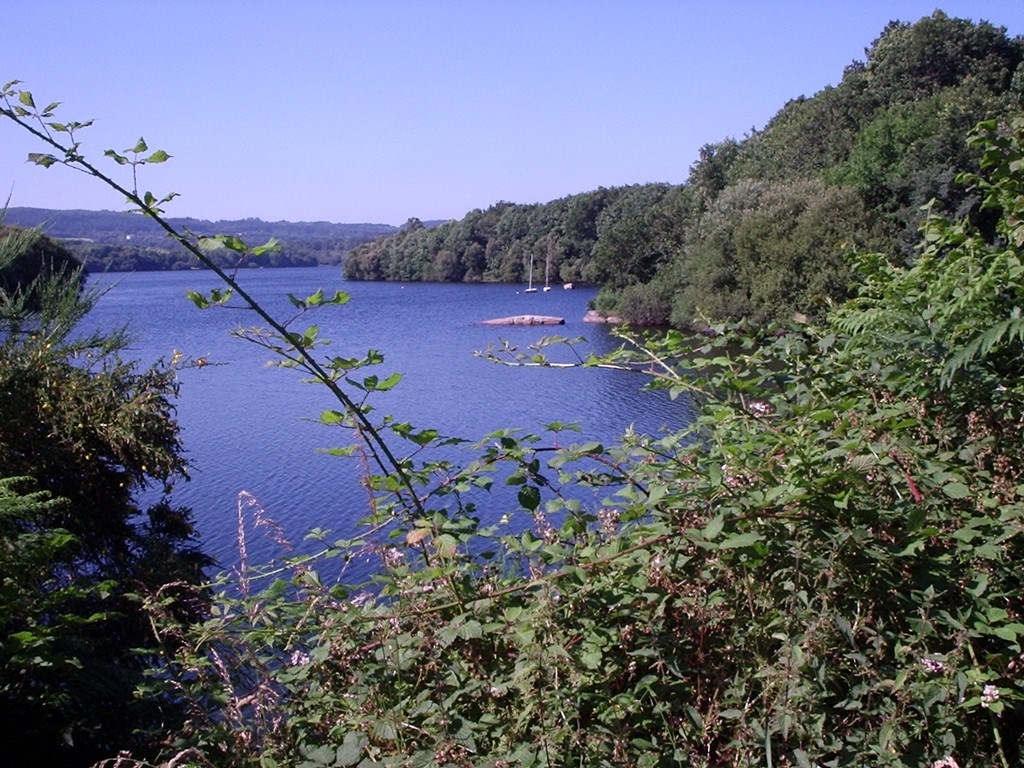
column 249, row 427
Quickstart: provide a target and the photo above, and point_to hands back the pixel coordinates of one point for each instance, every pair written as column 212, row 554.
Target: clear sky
column 379, row 110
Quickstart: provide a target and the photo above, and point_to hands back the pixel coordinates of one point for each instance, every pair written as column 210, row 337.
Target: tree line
column 121, row 241
column 763, row 225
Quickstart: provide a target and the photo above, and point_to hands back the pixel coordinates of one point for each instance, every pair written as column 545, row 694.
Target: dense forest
column 763, row 225
column 123, row 241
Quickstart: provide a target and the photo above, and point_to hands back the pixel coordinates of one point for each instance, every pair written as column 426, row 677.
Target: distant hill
column 119, row 240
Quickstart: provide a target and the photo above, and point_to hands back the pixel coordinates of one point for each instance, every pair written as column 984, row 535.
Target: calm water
column 249, row 427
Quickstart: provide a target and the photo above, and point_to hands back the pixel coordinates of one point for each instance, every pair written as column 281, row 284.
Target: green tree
column 806, row 136
column 630, row 244
column 81, row 434
column 710, row 174
column 912, row 61
column 792, row 250
column 28, row 259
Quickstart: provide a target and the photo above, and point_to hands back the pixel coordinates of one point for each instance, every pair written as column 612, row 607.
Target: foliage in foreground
column 824, row 571
column 81, row 433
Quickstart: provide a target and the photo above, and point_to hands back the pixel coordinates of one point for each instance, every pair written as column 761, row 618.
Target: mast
column 529, row 280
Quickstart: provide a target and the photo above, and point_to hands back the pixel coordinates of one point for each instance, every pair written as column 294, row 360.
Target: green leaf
column 591, row 658
column 25, row 97
column 316, row 757
column 116, row 157
column 273, row 244
column 220, row 295
column 1009, row 632
column 423, row 437
column 309, row 336
column 529, row 497
column 384, row 730
column 656, row 493
column 158, row 157
column 714, row 476
column 351, row 750
column 233, row 243
column 714, row 527
column 24, row 637
column 389, row 382
column 223, row 241
column 332, row 418
column 956, row 490
column 741, row 540
column 198, row 299
column 41, row 158
column 140, row 146
column 349, row 450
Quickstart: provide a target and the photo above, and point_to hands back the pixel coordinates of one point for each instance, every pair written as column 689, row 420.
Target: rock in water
column 526, row 320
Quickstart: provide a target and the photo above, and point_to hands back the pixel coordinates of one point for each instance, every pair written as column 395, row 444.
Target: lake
column 250, row 427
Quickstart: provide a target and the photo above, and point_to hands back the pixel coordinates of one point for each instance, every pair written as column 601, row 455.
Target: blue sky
column 379, row 110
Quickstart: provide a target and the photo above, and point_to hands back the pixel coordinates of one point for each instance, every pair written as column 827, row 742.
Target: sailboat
column 529, row 279
column 547, row 270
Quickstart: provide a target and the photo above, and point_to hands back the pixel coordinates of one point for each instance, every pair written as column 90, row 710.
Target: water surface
column 250, row 428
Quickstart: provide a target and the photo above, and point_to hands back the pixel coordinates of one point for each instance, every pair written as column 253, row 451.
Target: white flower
column 299, row 659
column 608, row 520
column 393, row 557
column 989, row 696
column 946, row 762
column 760, row 408
column 933, row 666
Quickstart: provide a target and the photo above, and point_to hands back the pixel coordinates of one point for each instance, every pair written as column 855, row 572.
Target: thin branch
column 378, row 447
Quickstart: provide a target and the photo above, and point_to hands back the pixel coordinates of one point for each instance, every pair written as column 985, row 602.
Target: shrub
column 823, row 571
